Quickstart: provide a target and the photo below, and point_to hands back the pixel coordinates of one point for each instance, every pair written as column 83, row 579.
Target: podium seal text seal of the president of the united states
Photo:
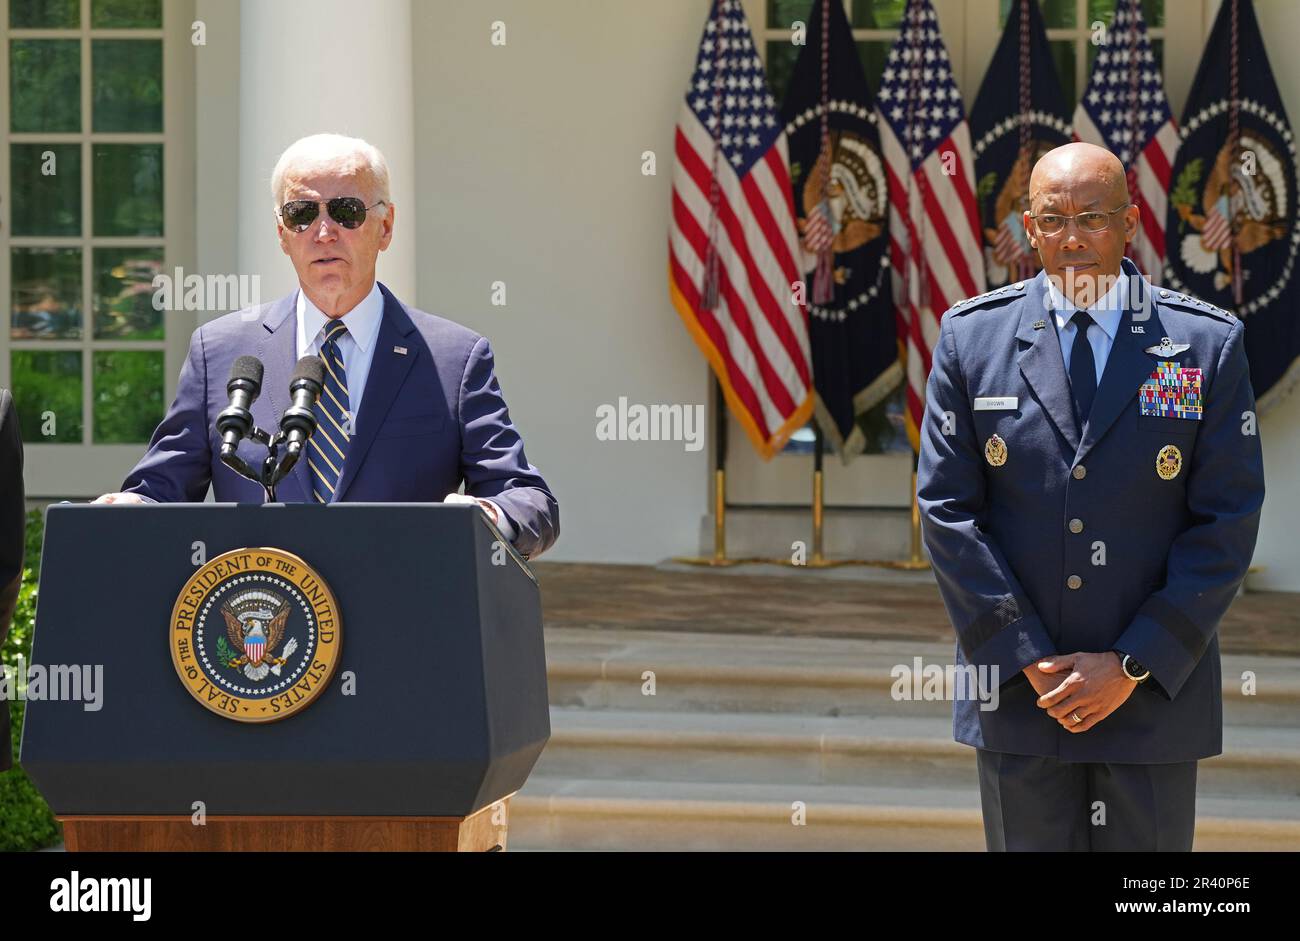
column 255, row 635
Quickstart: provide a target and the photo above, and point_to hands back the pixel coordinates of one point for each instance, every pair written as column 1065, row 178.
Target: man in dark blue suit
column 411, row 406
column 1090, row 483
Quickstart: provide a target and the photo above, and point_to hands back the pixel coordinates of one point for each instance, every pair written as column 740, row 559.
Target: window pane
column 1103, row 10
column 127, row 84
column 47, row 389
column 128, row 395
column 781, row 57
column 124, row 294
column 128, row 188
column 1057, row 14
column 877, row 14
column 1153, row 11
column 120, row 14
column 781, row 13
column 44, row 14
column 45, row 85
column 1063, row 56
column 46, row 298
column 45, row 180
column 873, row 55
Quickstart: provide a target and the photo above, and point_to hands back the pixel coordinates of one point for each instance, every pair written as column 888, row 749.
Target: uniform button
column 1074, row 581
column 1076, row 525
column 1079, row 472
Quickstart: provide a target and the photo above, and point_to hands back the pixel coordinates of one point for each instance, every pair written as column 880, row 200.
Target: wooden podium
column 477, row 833
column 433, row 717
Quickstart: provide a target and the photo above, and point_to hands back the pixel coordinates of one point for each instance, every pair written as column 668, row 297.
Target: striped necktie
column 329, row 445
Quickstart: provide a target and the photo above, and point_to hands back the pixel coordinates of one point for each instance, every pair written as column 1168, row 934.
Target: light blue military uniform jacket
column 1076, row 541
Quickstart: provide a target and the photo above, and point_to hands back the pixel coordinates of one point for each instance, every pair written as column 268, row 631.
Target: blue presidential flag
column 841, row 203
column 1019, row 114
column 1231, row 228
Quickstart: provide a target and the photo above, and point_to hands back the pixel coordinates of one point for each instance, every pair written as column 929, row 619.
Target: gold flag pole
column 917, row 560
column 719, row 557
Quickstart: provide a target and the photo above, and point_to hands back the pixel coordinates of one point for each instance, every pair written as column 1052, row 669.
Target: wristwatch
column 1132, row 669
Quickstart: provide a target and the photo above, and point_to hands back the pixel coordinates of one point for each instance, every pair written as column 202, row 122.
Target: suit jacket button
column 1074, row 581
column 1076, row 525
column 1079, row 472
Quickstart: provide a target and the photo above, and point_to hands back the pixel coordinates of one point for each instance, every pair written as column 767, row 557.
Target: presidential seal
column 255, row 635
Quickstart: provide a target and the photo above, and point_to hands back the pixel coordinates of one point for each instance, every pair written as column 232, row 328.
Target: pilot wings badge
column 1167, row 347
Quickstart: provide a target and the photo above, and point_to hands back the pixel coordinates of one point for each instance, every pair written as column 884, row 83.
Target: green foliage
column 223, row 651
column 986, row 186
column 26, row 822
column 1185, row 190
column 128, row 395
column 47, row 381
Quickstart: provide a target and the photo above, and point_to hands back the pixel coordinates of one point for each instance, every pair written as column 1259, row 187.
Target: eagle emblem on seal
column 255, row 622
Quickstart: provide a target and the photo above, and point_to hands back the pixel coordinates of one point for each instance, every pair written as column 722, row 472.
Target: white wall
column 528, row 158
column 1278, row 551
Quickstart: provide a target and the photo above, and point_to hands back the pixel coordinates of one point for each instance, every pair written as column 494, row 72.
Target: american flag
column 818, row 232
column 733, row 212
column 1124, row 109
column 1217, row 234
column 934, row 229
column 1011, row 247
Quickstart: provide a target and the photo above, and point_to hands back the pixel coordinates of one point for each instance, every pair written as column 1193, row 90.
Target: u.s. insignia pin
column 1169, row 462
column 995, row 451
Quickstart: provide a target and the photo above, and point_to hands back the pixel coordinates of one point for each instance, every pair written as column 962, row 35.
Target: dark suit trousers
column 1036, row 803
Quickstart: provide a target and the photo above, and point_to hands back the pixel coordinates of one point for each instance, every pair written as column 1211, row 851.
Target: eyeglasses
column 1050, row 223
column 347, row 211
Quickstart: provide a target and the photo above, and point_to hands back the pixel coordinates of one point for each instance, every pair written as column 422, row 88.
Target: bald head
column 1081, row 260
column 1070, row 164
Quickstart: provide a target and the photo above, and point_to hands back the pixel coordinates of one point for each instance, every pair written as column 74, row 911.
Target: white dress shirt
column 357, row 345
column 358, row 349
column 1106, row 314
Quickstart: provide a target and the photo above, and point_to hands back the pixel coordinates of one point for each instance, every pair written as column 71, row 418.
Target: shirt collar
column 362, row 321
column 1106, row 313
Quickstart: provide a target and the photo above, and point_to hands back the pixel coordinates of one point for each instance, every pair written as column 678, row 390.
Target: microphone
column 236, row 421
column 298, row 423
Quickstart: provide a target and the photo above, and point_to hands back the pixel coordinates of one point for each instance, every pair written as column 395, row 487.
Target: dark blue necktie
column 1083, row 367
column 329, row 445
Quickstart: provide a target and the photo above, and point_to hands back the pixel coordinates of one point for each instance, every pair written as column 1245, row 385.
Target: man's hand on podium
column 120, row 498
column 487, row 505
column 493, row 511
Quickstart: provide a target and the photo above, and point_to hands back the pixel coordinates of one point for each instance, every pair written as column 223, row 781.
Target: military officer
column 1090, row 483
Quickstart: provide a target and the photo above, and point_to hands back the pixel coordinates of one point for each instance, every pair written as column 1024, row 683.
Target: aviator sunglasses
column 347, row 211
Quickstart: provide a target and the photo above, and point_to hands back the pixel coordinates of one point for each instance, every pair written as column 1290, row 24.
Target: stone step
column 801, row 750
column 818, row 676
column 577, row 814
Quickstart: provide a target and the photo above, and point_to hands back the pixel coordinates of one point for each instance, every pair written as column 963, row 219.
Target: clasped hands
column 1089, row 685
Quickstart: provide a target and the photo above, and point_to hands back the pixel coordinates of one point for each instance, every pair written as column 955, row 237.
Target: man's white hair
column 350, row 154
